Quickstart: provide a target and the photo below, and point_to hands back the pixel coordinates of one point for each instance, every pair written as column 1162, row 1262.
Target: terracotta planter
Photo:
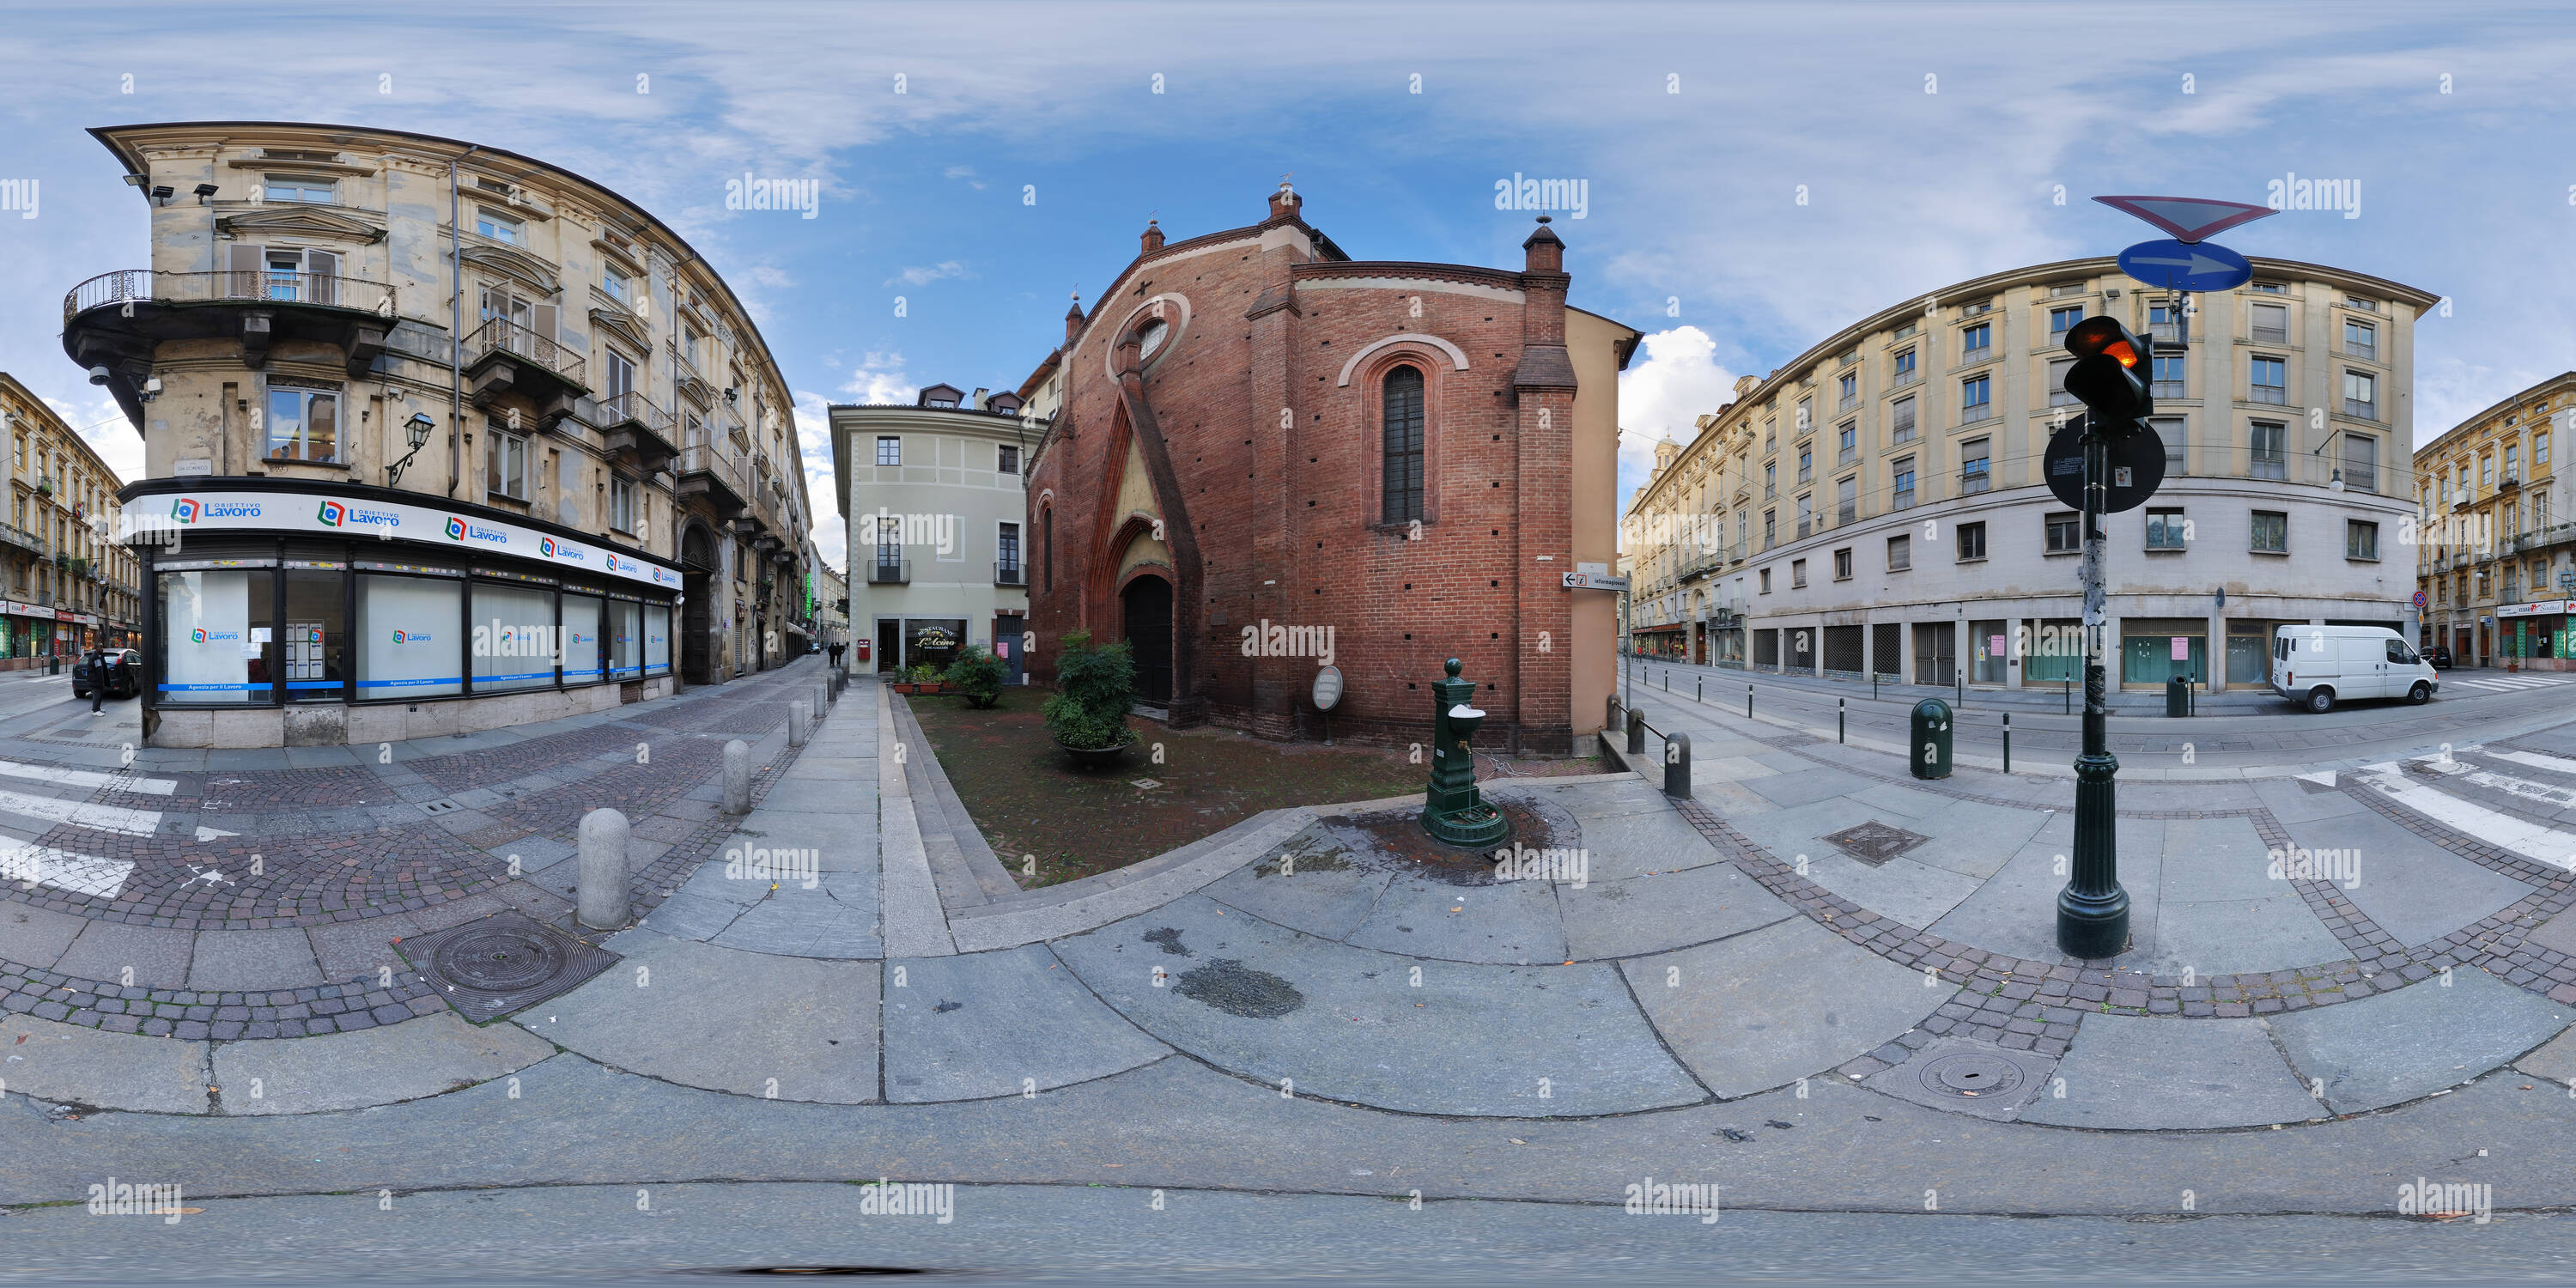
column 1097, row 757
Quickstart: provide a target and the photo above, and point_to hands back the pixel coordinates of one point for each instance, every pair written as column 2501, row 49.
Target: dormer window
column 943, row 402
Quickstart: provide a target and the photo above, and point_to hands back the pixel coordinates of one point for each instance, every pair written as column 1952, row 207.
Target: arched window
column 1403, row 445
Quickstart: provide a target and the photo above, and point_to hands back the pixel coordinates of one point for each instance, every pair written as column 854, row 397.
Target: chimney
column 1073, row 319
column 1546, row 253
column 1153, row 238
column 1285, row 202
column 981, row 395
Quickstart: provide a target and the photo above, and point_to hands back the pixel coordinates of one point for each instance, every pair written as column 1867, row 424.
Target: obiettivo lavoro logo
column 455, row 529
column 197, row 636
column 547, row 546
column 331, row 514
column 184, row 510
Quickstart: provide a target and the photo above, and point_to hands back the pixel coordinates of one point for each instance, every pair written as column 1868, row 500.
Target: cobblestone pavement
column 412, row 836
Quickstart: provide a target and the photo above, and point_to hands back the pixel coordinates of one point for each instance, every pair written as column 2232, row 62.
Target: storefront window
column 933, row 642
column 2149, row 659
column 410, row 641
column 625, row 638
column 210, row 652
column 315, row 651
column 657, row 639
column 513, row 640
column 582, row 659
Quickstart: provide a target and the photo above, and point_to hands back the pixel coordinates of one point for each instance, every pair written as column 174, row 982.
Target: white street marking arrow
column 205, row 833
column 88, row 778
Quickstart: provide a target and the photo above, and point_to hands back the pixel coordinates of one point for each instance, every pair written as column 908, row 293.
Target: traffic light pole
column 2093, row 911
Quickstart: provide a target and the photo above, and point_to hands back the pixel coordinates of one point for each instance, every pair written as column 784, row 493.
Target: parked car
column 2318, row 666
column 126, row 678
column 2440, row 657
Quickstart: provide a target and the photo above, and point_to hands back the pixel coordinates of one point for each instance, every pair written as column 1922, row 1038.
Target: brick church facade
column 1260, row 450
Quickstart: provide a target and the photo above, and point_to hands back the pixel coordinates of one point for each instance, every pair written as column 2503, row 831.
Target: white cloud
column 919, row 276
column 879, row 378
column 830, row 530
column 1664, row 394
column 108, row 432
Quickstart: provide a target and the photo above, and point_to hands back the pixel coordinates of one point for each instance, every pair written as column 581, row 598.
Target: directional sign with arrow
column 2186, row 266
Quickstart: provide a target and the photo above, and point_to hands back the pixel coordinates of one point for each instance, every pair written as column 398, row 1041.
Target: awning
column 1653, row 630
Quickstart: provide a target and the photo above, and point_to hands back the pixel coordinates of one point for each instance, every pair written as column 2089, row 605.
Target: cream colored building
column 1877, row 503
column 936, row 499
column 67, row 586
column 441, row 391
column 2496, row 545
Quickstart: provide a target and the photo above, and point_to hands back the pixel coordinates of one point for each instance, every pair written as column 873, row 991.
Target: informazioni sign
column 139, row 520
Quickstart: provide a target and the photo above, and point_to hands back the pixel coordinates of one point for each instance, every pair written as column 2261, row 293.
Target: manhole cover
column 500, row 959
column 1971, row 1076
column 488, row 968
column 1874, row 842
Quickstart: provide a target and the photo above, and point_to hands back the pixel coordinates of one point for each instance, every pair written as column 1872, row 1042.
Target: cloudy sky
column 1028, row 145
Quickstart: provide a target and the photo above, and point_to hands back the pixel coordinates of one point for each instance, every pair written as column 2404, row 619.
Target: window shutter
column 245, row 269
column 541, row 320
column 325, row 270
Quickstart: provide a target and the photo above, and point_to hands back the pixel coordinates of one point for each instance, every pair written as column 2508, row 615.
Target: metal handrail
column 500, row 335
column 633, row 405
column 142, row 285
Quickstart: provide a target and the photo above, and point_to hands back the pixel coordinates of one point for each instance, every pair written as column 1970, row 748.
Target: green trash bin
column 1929, row 756
column 2177, row 696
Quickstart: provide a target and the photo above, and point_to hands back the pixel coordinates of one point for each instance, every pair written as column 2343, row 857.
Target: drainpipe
column 456, row 326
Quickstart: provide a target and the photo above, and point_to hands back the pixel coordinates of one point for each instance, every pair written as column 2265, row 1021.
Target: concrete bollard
column 1677, row 765
column 737, row 777
column 822, row 696
column 798, row 713
column 602, row 900
column 1636, row 736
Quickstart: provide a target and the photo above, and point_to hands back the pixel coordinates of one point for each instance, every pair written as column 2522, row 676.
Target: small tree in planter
column 977, row 674
column 1095, row 686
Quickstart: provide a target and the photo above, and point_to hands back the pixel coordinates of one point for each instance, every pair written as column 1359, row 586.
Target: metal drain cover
column 488, row 968
column 1874, row 842
column 1971, row 1075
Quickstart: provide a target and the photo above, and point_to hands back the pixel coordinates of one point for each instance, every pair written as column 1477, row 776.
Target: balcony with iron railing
column 709, row 471
column 1010, row 574
column 639, row 429
column 502, row 356
column 114, row 320
column 12, row 534
column 2269, row 334
column 890, row 572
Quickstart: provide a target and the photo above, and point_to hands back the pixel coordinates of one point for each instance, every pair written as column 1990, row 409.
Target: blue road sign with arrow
column 2177, row 266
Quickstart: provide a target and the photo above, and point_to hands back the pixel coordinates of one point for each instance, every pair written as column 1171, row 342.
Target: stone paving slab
column 1588, row 801
column 1764, row 1009
column 33, row 936
column 1505, row 923
column 724, row 1020
column 349, row 949
column 2554, row 1060
column 238, row 961
column 1346, row 1023
column 1307, row 884
column 1653, row 914
column 158, row 955
column 978, row 1025
column 2395, row 1047
column 70, row 1064
column 2147, row 1073
column 1627, row 845
column 835, row 919
column 1076, row 907
column 2416, row 890
column 425, row 1057
column 843, row 842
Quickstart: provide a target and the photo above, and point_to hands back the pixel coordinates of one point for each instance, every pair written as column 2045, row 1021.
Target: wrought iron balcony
column 1010, row 574
column 502, row 357
column 705, row 470
column 118, row 320
column 636, row 428
column 890, row 572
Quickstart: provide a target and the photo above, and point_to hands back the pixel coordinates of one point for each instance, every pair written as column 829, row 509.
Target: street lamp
column 417, row 431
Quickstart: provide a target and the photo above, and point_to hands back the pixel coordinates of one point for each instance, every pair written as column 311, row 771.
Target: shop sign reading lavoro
column 304, row 512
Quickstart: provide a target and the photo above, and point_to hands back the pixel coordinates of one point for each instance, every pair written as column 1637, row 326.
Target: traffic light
column 2109, row 375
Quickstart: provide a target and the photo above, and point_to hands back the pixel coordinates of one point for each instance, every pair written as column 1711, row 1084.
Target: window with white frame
column 500, row 227
column 303, row 422
column 505, row 462
column 622, row 505
column 889, row 450
column 2269, row 459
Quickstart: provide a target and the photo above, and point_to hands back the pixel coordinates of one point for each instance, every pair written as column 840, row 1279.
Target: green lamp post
column 1454, row 811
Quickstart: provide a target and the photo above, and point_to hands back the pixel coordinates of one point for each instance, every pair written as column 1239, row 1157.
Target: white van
column 2318, row 666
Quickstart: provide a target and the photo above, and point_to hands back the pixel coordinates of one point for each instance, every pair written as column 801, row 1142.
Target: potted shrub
column 920, row 677
column 1095, row 685
column 977, row 675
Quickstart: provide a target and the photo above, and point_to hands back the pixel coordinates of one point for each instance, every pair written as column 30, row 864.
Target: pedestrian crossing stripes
column 2508, row 683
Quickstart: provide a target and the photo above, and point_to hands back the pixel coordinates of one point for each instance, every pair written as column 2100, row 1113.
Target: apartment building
column 67, row 586
column 2496, row 553
column 936, row 497
column 402, row 396
column 1876, row 505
